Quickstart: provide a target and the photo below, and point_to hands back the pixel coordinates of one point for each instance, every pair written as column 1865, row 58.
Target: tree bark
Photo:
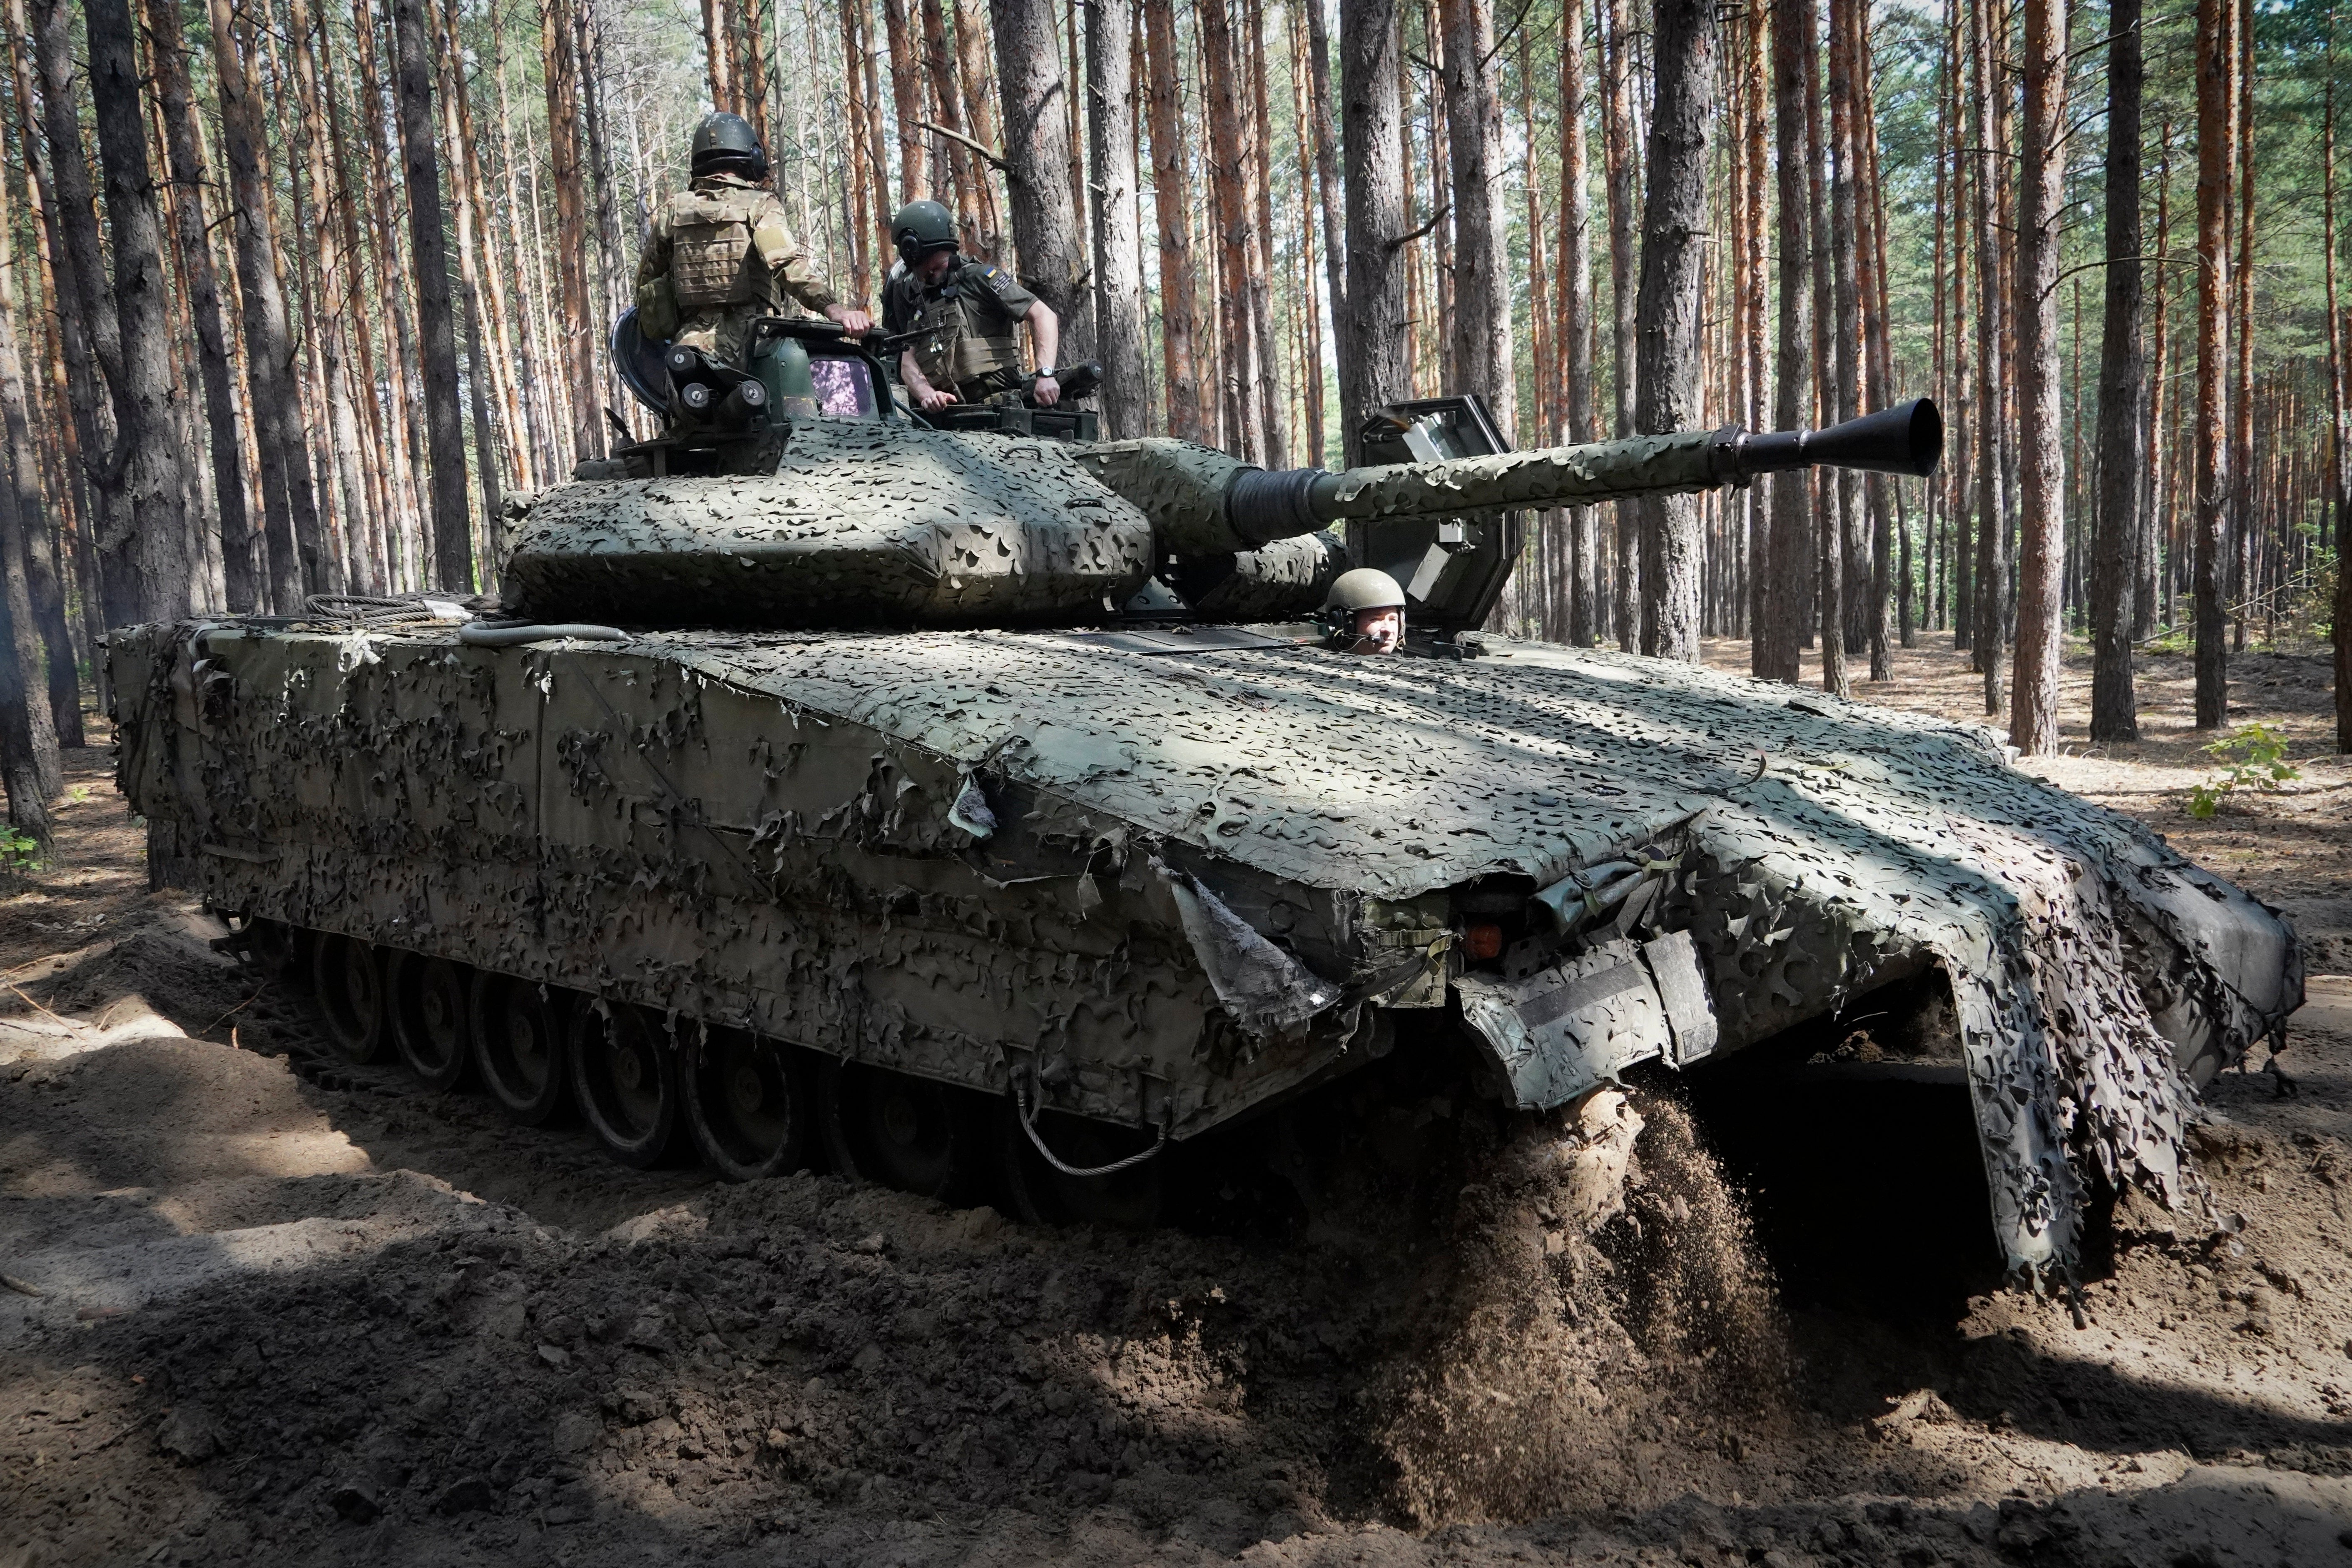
column 1118, row 250
column 972, row 68
column 1993, row 480
column 2033, row 705
column 185, row 149
column 482, row 374
column 1180, row 285
column 1229, row 196
column 1667, row 386
column 1851, row 564
column 2216, row 52
column 28, row 729
column 915, row 179
column 1373, row 372
column 1045, row 233
column 87, row 320
column 2123, row 396
column 1577, row 326
column 1326, row 178
column 291, row 527
column 1617, row 153
column 559, row 55
column 428, row 247
column 1790, row 535
column 2238, row 585
column 149, row 566
column 1481, row 319
column 1273, row 406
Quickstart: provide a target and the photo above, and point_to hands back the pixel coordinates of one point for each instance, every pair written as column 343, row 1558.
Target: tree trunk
column 717, row 55
column 907, row 96
column 1229, row 196
column 1575, row 317
column 289, row 505
column 1180, row 286
column 1790, row 535
column 972, row 67
column 29, row 729
column 86, row 316
column 2123, row 396
column 188, row 173
column 1992, row 525
column 1373, row 370
column 1845, row 255
column 481, row 374
column 1666, row 385
column 1617, row 150
column 560, row 53
column 2216, row 52
column 1308, row 316
column 1118, row 251
column 428, row 247
column 2240, row 584
column 150, row 567
column 970, row 176
column 2034, row 706
column 1273, row 406
column 1045, row 233
column 1481, row 320
column 1877, row 367
column 1326, row 179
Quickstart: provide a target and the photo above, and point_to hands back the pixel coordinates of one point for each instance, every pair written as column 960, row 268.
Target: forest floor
column 255, row 1308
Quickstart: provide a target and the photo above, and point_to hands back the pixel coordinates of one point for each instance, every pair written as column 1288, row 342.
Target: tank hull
column 1162, row 888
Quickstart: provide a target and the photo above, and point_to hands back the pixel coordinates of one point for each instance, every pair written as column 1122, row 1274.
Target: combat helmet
column 922, row 227
column 1364, row 588
column 725, row 144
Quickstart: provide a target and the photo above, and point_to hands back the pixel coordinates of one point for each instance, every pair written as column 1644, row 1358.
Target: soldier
column 720, row 255
column 1366, row 609
column 968, row 313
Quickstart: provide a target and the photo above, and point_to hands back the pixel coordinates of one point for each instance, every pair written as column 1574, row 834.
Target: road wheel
column 429, row 1017
column 519, row 1042
column 625, row 1075
column 349, row 977
column 747, row 1103
column 902, row 1131
column 1127, row 1199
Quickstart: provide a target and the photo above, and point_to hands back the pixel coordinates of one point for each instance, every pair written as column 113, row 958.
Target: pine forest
column 295, row 293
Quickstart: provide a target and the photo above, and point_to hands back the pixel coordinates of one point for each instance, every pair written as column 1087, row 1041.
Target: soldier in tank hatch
column 967, row 315
column 1366, row 611
column 720, row 255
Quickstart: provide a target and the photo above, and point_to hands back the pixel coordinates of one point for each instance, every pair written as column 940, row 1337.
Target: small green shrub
column 2253, row 756
column 20, row 853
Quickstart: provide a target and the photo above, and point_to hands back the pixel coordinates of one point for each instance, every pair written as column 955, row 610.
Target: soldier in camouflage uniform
column 720, row 255
column 969, row 313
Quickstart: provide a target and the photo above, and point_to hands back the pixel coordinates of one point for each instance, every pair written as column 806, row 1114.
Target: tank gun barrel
column 1205, row 502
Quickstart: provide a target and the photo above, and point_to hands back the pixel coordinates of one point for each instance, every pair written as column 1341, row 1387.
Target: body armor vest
column 951, row 350
column 712, row 259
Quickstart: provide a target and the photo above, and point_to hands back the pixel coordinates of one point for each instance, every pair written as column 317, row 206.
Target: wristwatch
column 1045, row 373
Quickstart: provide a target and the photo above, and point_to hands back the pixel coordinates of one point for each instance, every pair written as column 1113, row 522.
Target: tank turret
column 873, row 519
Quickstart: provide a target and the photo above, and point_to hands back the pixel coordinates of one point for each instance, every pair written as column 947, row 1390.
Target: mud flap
column 1564, row 1030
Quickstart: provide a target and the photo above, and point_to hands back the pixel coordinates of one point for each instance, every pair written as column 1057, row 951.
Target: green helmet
column 922, row 227
column 1364, row 588
column 725, row 144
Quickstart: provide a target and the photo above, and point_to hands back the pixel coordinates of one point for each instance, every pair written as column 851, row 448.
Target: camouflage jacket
column 721, row 246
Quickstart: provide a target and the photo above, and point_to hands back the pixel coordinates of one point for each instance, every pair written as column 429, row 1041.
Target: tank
column 975, row 806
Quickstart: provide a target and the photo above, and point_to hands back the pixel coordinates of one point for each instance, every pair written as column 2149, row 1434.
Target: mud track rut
column 255, row 1315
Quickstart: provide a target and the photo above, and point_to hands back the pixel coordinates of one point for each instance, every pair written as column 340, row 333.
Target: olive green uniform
column 970, row 326
column 719, row 257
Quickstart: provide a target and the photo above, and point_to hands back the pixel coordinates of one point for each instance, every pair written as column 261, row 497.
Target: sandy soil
column 257, row 1308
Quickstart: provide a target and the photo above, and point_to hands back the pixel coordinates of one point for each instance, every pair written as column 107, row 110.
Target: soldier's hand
column 1047, row 392
column 854, row 324
column 932, row 397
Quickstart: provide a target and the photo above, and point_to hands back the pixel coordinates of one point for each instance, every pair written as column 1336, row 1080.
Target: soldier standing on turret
column 720, row 255
column 968, row 313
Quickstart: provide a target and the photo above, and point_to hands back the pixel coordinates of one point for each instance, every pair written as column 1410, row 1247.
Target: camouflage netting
column 1832, row 846
column 779, row 828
